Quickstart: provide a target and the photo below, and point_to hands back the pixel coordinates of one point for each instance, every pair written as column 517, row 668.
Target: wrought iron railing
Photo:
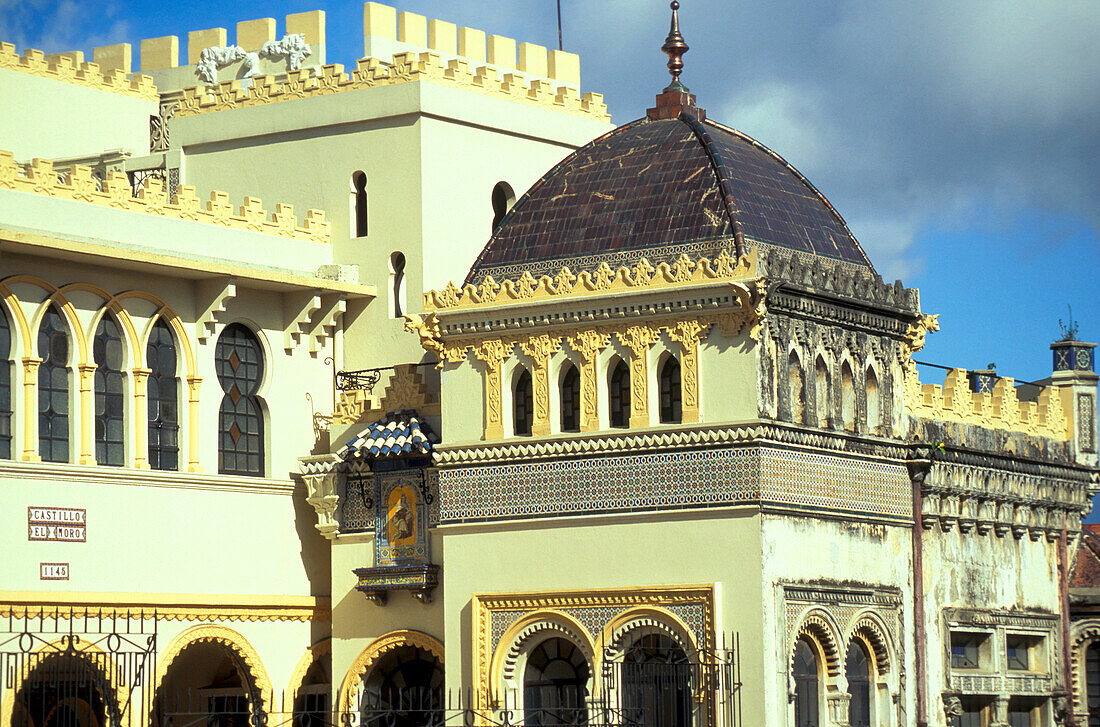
column 365, row 379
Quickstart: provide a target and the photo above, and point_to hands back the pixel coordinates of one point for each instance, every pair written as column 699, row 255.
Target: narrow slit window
column 5, row 387
column 110, row 426
column 359, row 203
column 53, row 387
column 618, row 395
column 669, row 391
column 571, row 400
column 522, row 406
column 796, row 389
column 502, row 199
column 163, row 395
column 397, row 284
column 874, row 403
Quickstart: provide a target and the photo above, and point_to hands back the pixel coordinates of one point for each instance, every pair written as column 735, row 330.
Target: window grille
column 238, row 361
column 163, row 395
column 522, row 406
column 53, row 388
column 571, row 400
column 669, row 387
column 5, row 388
column 619, row 396
column 109, row 425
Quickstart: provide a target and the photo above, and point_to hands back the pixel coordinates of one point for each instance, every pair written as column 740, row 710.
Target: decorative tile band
column 669, row 480
column 34, row 63
column 79, row 185
column 371, row 72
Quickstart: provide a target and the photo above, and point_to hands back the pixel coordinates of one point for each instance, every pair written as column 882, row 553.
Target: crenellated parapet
column 371, row 73
column 1000, row 408
column 115, row 191
column 71, row 68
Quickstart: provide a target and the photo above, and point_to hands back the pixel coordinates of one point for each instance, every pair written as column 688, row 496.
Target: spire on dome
column 675, row 99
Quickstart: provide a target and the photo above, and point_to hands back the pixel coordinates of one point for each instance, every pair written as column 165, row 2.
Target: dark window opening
column 5, row 388
column 860, row 680
column 618, row 395
column 404, row 689
column 522, row 406
column 238, row 361
column 1092, row 683
column 163, row 395
column 110, row 426
column 359, row 192
column 656, row 679
column 806, row 686
column 964, row 651
column 555, row 685
column 53, row 388
column 1017, row 650
column 669, row 390
column 503, row 198
column 571, row 400
column 397, row 289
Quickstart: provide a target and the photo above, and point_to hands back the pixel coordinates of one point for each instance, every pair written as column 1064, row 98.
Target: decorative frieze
column 84, row 74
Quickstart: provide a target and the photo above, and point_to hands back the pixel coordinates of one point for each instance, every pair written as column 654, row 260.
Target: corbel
column 327, row 322
column 213, row 296
column 298, row 310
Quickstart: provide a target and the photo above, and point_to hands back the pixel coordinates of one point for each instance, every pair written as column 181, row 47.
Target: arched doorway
column 65, row 690
column 656, row 682
column 208, row 683
column 404, row 688
column 555, row 684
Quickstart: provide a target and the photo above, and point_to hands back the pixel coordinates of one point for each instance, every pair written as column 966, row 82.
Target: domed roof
column 659, row 188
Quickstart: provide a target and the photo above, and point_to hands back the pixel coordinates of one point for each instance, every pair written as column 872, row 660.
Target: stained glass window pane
column 53, row 387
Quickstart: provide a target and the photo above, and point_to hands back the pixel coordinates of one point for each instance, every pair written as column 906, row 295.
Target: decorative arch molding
column 527, row 633
column 619, row 633
column 868, row 626
column 319, row 650
column 255, row 676
column 10, row 302
column 376, row 650
column 64, row 648
column 1082, row 635
column 818, row 627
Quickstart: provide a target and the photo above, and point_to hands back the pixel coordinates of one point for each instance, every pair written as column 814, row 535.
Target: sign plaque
column 53, row 571
column 57, row 524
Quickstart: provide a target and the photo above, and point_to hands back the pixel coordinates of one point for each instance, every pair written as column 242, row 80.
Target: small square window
column 1020, row 652
column 965, row 650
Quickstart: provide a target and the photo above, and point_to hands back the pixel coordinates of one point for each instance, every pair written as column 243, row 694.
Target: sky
column 958, row 139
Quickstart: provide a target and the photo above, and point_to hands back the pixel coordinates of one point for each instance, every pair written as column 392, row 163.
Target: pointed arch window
column 874, row 403
column 668, row 385
column 555, row 685
column 359, row 203
column 238, row 360
column 858, row 670
column 522, row 406
column 618, row 395
column 5, row 387
column 571, row 399
column 163, row 395
column 796, row 388
column 847, row 397
column 53, row 387
column 807, row 686
column 110, row 426
column 821, row 392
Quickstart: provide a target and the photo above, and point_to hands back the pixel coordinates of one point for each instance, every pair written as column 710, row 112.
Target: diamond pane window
column 163, row 394
column 5, row 388
column 53, row 387
column 238, row 361
column 110, row 427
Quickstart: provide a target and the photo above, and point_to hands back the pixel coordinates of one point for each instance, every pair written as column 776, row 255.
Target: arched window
column 807, row 686
column 797, row 389
column 163, row 393
column 53, row 387
column 618, row 395
column 110, row 426
column 1092, row 682
column 858, row 670
column 821, row 392
column 397, row 284
column 570, row 399
column 847, row 397
column 311, row 700
column 668, row 386
column 503, row 198
column 656, row 683
column 239, row 363
column 404, row 689
column 522, row 406
column 359, row 203
column 555, row 685
column 874, row 403
column 5, row 387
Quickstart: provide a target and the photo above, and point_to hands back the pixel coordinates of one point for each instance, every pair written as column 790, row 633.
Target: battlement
column 370, row 72
column 109, row 72
column 115, row 191
column 954, row 401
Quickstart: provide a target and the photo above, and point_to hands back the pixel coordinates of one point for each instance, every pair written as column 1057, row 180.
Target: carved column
column 30, row 409
column 87, row 412
column 838, row 708
column 589, row 344
column 141, row 417
column 687, row 334
column 539, row 349
column 194, row 383
column 638, row 339
column 1000, row 711
column 492, row 353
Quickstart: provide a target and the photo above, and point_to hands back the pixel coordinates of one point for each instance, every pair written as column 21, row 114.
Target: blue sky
column 958, row 139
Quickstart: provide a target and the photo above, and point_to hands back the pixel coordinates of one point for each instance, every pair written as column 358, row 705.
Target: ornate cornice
column 372, row 73
column 858, row 285
column 33, row 62
column 168, row 607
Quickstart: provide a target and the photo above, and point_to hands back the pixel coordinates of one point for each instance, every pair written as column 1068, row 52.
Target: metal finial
column 675, row 48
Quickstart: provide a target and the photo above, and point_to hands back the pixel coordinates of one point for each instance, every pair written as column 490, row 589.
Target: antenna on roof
column 559, row 26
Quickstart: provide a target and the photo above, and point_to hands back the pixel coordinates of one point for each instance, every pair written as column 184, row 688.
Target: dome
column 658, row 188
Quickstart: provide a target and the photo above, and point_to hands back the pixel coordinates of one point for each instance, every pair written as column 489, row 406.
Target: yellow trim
column 30, row 409
column 305, row 661
column 371, row 73
column 33, row 62
column 509, row 639
column 153, row 199
column 140, row 455
column 375, row 649
column 605, row 281
column 169, row 606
